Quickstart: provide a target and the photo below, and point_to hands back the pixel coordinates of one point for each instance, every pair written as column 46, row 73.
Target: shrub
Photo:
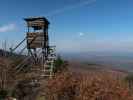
column 90, row 86
column 3, row 94
column 129, row 80
column 60, row 64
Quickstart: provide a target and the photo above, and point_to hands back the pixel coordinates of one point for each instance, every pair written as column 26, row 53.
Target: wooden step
column 49, row 61
column 43, row 76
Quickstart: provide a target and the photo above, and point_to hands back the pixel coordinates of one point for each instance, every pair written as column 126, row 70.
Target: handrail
column 18, row 45
column 21, row 63
column 29, row 44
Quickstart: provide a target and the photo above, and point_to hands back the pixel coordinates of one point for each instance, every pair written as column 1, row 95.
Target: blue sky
column 76, row 25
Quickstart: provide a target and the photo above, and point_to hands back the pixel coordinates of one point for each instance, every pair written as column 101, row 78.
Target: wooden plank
column 37, row 39
column 35, row 34
column 36, row 23
column 38, row 42
column 35, row 45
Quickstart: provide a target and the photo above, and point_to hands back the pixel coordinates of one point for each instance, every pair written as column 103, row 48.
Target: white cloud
column 81, row 34
column 71, row 7
column 7, row 28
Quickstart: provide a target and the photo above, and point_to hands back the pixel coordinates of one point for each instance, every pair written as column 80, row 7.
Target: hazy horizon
column 116, row 60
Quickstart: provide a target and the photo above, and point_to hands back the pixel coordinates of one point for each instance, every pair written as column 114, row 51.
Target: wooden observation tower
column 40, row 53
column 37, row 36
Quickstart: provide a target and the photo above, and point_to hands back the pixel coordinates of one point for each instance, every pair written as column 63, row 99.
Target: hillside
column 92, row 85
column 91, row 77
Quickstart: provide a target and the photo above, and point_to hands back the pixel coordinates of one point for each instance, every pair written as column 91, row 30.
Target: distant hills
column 115, row 60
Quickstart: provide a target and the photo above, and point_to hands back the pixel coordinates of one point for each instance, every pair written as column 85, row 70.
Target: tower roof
column 30, row 19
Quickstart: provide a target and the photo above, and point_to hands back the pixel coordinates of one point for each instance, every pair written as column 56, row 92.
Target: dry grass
column 90, row 86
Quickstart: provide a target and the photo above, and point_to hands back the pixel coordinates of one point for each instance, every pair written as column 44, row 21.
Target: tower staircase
column 48, row 67
column 42, row 70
